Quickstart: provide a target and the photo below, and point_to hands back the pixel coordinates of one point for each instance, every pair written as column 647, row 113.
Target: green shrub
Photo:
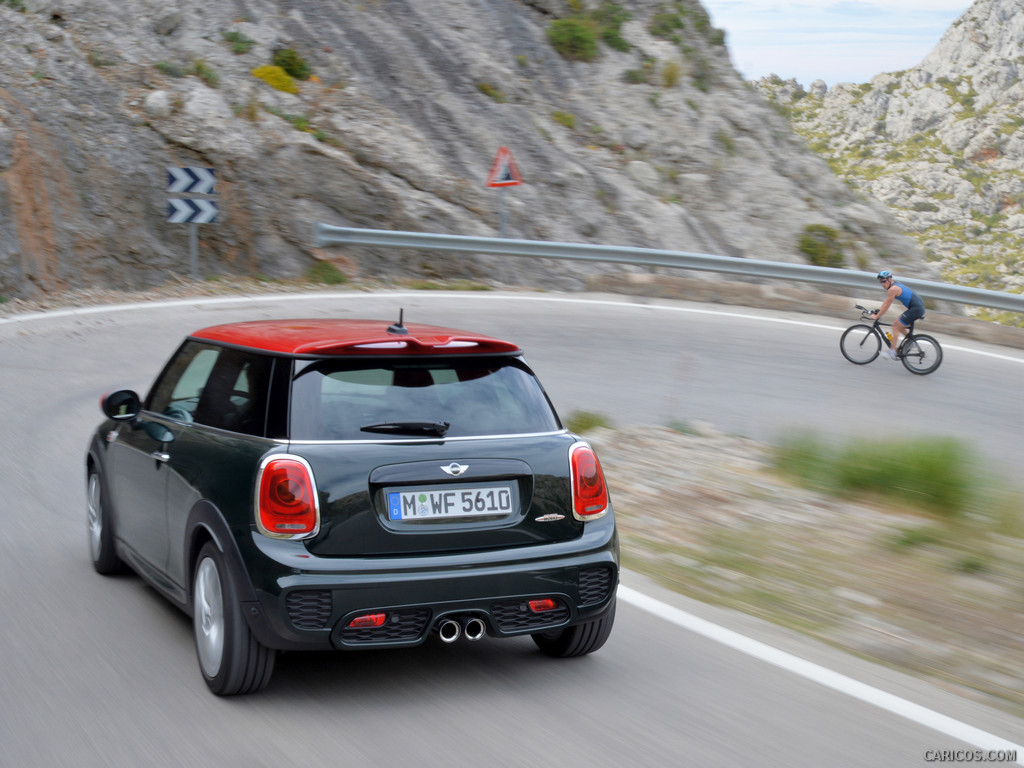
column 584, row 421
column 565, row 118
column 573, row 39
column 301, row 122
column 326, row 273
column 609, row 18
column 491, row 92
column 912, row 538
column 671, row 73
column 820, row 244
column 292, row 63
column 702, row 73
column 277, row 78
column 665, row 25
column 239, row 42
column 576, row 36
column 169, row 69
column 637, row 76
column 935, row 475
column 205, row 72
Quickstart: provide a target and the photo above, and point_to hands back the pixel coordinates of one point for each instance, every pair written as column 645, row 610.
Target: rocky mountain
column 941, row 144
column 627, row 122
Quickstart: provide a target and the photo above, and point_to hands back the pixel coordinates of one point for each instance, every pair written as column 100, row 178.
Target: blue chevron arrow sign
column 191, row 211
column 199, row 181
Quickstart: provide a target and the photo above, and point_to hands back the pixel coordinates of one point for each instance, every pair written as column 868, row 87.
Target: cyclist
column 912, row 301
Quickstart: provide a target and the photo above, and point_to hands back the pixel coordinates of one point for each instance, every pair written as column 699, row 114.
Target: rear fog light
column 543, row 606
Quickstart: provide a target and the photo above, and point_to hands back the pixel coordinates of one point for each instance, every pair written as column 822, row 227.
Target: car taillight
column 368, row 620
column 589, row 491
column 287, row 504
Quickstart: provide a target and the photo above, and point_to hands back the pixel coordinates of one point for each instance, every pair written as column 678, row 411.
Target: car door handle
column 161, row 456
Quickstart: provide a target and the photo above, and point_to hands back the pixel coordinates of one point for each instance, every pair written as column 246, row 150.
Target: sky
column 832, row 40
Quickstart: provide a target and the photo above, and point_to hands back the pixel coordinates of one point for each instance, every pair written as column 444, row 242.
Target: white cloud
column 832, row 40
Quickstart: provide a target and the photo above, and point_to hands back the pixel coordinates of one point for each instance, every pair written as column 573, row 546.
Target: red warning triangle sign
column 504, row 172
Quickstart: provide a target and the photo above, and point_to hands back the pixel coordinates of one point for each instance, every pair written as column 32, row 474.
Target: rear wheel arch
column 207, row 524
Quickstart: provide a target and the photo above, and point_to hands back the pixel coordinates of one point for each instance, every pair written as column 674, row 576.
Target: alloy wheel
column 208, row 603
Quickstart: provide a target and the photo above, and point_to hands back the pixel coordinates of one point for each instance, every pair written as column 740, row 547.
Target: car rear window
column 339, row 400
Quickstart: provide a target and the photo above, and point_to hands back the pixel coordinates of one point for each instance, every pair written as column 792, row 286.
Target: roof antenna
column 398, row 328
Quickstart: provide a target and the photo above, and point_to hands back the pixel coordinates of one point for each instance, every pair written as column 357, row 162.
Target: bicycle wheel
column 921, row 354
column 860, row 344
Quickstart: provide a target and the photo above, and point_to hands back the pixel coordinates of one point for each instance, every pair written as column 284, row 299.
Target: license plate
column 449, row 502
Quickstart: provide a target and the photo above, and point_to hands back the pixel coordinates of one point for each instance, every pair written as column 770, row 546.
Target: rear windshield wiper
column 438, row 428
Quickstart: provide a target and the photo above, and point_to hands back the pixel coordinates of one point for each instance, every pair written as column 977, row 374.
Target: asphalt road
column 101, row 671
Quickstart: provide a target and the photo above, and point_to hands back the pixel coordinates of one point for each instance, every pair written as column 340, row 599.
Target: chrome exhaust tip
column 449, row 630
column 473, row 628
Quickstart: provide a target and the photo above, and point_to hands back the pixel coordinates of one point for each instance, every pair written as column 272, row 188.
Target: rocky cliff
column 941, row 144
column 627, row 122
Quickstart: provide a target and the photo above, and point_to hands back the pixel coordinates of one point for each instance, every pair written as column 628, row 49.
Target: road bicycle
column 861, row 343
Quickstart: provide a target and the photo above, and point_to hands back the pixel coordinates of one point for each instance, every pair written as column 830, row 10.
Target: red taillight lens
column 369, row 620
column 589, row 492
column 287, row 503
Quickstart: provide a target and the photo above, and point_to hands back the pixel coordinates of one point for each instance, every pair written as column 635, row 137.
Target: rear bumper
column 308, row 602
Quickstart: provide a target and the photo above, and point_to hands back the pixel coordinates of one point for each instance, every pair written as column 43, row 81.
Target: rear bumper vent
column 595, row 584
column 516, row 616
column 400, row 626
column 309, row 609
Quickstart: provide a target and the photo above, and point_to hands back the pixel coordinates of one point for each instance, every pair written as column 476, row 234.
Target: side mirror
column 122, row 405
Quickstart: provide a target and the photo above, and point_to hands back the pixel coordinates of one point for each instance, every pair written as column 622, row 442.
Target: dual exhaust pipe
column 451, row 630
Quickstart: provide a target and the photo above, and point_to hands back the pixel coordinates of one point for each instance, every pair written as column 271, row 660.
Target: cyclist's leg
column 904, row 324
column 898, row 329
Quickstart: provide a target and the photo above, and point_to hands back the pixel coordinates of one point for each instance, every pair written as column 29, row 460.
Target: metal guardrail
column 326, row 235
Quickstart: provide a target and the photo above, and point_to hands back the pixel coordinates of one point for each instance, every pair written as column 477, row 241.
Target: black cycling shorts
column 913, row 313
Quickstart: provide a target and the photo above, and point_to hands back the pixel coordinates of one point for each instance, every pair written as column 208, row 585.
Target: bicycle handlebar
column 865, row 314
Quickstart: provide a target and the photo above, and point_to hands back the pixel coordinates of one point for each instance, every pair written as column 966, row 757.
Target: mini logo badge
column 455, row 469
column 550, row 518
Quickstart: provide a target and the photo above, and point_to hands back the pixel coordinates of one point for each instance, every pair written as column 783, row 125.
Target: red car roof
column 351, row 337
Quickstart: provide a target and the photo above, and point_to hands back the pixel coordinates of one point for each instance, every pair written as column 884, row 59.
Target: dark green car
column 346, row 484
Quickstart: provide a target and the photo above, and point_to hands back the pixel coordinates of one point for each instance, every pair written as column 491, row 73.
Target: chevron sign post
column 193, row 211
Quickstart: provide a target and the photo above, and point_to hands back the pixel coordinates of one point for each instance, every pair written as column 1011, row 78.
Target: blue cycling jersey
column 908, row 297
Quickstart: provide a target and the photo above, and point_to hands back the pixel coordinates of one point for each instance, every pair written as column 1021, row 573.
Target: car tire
column 101, row 530
column 577, row 640
column 231, row 659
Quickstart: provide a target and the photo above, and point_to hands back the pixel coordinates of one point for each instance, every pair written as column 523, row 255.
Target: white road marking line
column 822, row 675
column 169, row 303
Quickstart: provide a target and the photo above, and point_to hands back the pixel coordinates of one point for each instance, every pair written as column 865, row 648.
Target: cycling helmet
column 885, row 274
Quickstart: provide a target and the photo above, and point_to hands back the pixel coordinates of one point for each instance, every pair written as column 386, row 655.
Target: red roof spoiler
column 351, row 337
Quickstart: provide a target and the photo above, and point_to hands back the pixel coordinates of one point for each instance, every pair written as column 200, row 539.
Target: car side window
column 214, row 386
column 235, row 395
column 177, row 392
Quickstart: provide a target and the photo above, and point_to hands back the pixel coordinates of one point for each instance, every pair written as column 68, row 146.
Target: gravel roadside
column 707, row 515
